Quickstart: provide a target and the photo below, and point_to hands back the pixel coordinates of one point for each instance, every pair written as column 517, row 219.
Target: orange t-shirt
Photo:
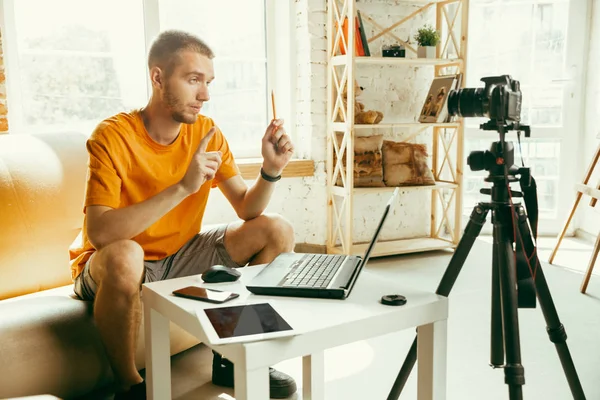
column 126, row 166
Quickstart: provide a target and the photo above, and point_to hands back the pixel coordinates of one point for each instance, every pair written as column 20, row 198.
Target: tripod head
column 499, row 161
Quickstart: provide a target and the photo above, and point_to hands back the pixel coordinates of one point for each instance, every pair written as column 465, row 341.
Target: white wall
column 588, row 218
column 398, row 92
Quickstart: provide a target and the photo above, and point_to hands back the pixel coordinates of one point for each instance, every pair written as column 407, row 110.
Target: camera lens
column 466, row 103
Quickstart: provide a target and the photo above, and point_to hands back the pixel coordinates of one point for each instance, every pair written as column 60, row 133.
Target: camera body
column 499, row 100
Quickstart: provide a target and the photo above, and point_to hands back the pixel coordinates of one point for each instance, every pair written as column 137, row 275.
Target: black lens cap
column 393, row 300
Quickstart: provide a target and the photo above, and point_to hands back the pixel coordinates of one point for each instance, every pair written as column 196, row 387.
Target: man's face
column 186, row 89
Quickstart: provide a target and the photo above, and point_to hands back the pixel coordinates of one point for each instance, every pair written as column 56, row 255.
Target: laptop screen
column 388, row 207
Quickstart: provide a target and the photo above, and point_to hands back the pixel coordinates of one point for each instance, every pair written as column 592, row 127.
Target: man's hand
column 203, row 166
column 277, row 148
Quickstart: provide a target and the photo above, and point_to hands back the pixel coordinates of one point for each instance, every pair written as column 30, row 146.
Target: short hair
column 165, row 49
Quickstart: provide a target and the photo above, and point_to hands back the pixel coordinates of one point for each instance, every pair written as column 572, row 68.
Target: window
column 73, row 63
column 538, row 44
column 67, row 70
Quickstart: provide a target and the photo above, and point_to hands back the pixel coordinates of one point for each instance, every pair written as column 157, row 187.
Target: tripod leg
column 496, row 334
column 471, row 232
column 514, row 374
column 556, row 330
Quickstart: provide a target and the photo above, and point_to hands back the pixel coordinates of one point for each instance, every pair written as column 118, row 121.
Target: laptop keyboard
column 314, row 270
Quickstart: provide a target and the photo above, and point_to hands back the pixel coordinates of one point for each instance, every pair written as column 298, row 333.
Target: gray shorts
column 196, row 256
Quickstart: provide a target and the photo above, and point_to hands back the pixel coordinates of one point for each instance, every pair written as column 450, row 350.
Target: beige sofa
column 48, row 341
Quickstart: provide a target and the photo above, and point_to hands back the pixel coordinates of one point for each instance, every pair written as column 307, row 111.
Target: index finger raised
column 204, row 142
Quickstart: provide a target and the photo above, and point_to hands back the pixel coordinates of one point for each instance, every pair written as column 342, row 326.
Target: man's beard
column 174, row 104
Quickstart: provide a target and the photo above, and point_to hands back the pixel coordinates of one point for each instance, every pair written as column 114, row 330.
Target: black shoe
column 281, row 385
column 136, row 392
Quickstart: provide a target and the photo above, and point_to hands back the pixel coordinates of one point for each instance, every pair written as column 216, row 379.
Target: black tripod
column 510, row 290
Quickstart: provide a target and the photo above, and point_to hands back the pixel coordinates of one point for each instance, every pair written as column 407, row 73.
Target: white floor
column 366, row 370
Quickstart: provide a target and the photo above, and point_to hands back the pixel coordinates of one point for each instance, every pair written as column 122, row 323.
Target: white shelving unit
column 446, row 138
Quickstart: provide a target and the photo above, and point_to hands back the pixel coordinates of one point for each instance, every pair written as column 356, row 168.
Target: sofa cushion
column 42, row 184
column 50, row 345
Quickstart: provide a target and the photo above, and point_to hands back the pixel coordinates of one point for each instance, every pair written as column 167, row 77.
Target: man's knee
column 280, row 231
column 120, row 265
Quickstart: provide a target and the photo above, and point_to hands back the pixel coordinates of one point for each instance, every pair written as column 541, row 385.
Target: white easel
column 594, row 193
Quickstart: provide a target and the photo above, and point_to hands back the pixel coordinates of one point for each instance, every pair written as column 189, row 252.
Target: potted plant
column 427, row 38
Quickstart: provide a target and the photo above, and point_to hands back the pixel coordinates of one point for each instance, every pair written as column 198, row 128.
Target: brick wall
column 3, row 108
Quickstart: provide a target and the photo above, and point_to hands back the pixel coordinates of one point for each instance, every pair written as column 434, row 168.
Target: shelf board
column 342, row 60
column 399, row 246
column 341, row 191
column 341, row 126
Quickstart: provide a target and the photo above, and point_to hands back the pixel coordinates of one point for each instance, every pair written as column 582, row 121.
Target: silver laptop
column 315, row 275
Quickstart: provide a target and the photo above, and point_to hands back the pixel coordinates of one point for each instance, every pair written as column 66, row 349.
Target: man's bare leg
column 118, row 270
column 259, row 240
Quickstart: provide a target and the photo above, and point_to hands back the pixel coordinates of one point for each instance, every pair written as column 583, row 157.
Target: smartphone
column 204, row 294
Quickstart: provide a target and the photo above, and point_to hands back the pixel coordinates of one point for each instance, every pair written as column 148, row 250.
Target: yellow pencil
column 273, row 104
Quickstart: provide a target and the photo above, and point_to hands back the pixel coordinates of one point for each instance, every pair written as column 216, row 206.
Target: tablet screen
column 251, row 319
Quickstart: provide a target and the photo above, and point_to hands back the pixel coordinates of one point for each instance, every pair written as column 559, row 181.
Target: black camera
column 499, row 100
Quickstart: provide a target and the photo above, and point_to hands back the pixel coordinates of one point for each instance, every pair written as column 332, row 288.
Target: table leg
column 158, row 361
column 250, row 384
column 313, row 376
column 431, row 353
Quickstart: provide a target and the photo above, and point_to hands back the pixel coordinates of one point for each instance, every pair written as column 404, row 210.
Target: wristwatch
column 269, row 178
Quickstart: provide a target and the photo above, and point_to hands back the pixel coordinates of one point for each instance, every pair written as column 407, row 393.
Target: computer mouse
column 220, row 273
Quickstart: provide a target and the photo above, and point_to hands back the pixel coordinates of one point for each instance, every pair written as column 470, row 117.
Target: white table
column 322, row 323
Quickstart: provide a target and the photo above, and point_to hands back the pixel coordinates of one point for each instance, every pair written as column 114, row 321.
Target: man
column 149, row 176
